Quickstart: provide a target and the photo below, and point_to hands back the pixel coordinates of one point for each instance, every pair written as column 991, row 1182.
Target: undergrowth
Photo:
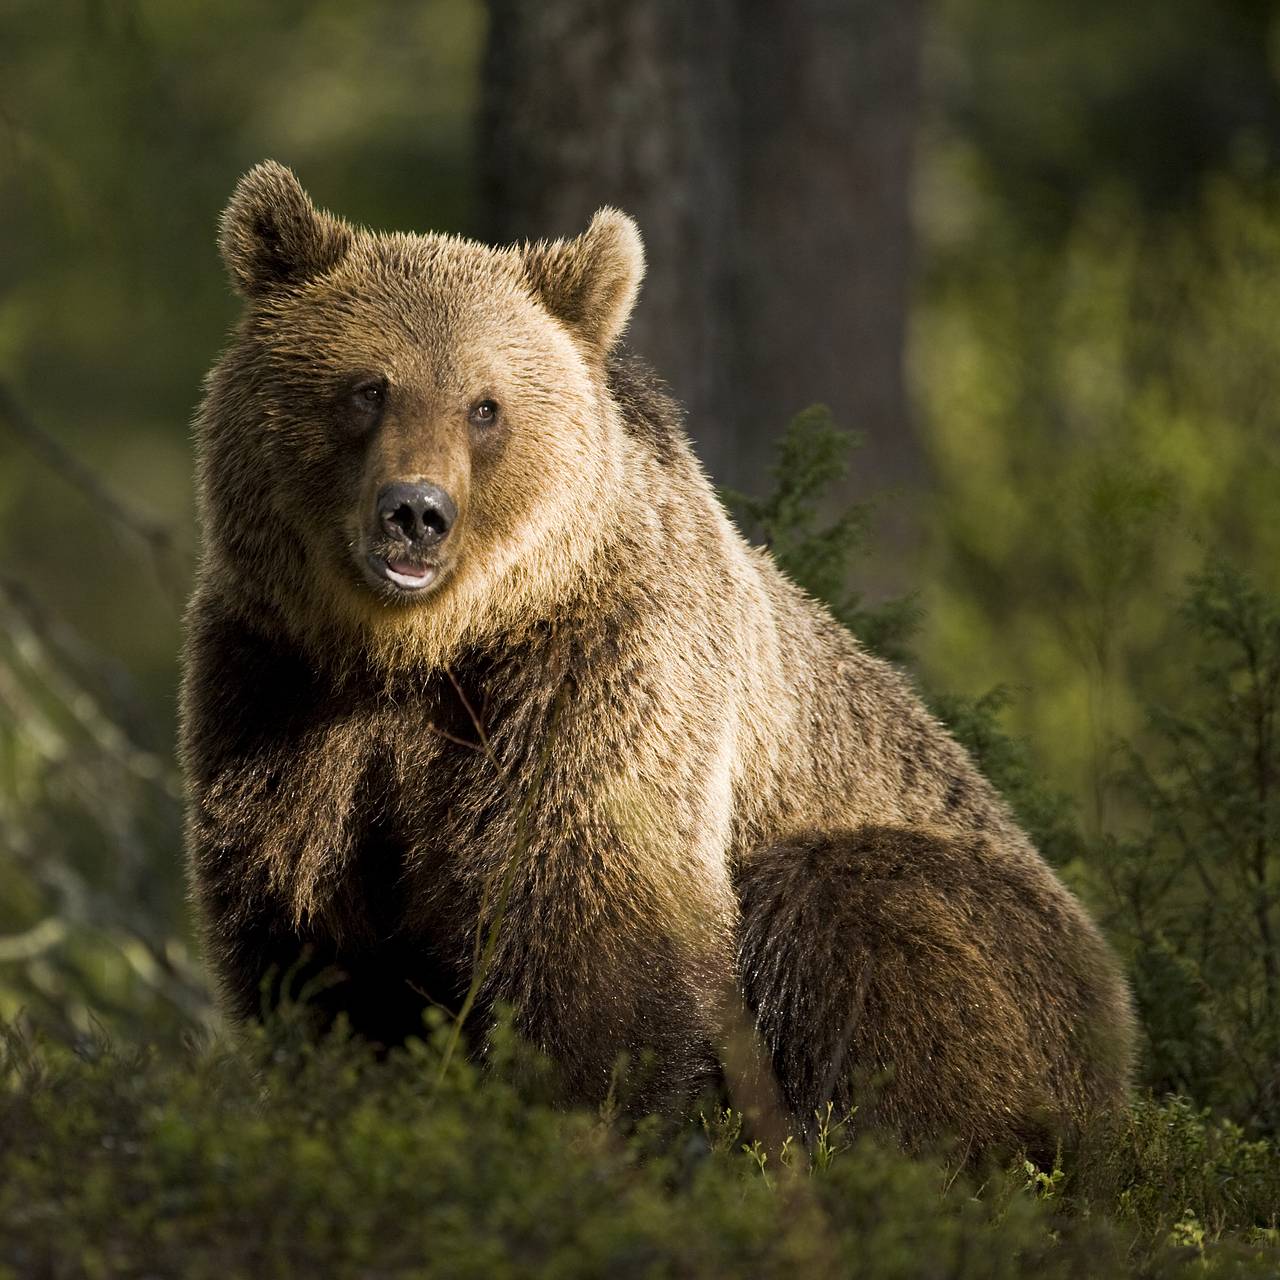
column 273, row 1157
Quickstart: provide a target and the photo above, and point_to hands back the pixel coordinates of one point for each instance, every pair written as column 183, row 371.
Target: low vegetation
column 275, row 1159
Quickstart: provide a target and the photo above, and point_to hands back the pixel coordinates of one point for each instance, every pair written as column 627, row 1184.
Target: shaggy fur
column 612, row 723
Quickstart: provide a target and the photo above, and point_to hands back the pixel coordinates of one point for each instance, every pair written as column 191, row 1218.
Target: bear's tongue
column 411, row 577
column 406, row 570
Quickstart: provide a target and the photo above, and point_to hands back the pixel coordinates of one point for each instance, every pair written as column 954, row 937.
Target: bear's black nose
column 419, row 515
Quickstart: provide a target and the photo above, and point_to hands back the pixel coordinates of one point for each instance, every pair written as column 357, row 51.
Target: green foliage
column 282, row 1158
column 90, row 909
column 1100, row 414
column 1198, row 886
column 1168, row 1165
column 820, row 554
column 1182, row 1049
column 1057, row 99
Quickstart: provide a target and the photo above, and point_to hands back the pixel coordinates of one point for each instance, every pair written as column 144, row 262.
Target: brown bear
column 483, row 689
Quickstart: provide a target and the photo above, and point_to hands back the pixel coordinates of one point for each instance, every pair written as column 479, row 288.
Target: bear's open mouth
column 404, row 574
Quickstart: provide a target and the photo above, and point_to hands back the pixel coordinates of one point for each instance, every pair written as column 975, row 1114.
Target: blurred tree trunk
column 765, row 148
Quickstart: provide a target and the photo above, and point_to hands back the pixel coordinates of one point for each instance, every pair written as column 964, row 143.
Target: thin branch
column 33, row 942
column 476, row 721
column 453, row 737
column 76, row 699
column 155, row 536
column 1169, row 813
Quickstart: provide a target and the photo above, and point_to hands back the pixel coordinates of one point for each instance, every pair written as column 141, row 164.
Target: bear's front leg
column 610, row 949
column 259, row 959
column 265, row 962
column 605, row 983
column 286, row 858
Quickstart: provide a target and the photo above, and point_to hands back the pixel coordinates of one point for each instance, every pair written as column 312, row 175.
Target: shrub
column 283, row 1159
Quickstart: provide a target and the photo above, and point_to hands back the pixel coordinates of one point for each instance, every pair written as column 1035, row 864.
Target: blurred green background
column 1030, row 252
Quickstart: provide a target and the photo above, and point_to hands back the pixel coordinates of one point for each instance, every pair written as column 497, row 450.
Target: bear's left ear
column 272, row 235
column 591, row 281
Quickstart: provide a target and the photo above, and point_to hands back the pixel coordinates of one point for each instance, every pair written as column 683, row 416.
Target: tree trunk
column 765, row 148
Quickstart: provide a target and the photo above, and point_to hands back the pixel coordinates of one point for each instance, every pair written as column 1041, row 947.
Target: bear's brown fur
column 609, row 725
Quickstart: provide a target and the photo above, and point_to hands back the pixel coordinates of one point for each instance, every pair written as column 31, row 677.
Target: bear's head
column 410, row 435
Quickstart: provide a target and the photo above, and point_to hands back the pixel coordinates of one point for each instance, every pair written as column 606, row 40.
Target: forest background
column 1027, row 254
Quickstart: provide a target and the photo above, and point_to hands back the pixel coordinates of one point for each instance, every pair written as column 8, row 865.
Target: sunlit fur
column 676, row 772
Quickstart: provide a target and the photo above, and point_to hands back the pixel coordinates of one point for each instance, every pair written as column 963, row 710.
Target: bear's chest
column 446, row 765
column 429, row 809
column 397, row 918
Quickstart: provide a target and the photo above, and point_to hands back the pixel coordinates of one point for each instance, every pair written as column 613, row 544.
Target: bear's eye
column 369, row 397
column 484, row 414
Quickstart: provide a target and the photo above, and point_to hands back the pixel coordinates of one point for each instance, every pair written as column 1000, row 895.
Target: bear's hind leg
column 947, row 989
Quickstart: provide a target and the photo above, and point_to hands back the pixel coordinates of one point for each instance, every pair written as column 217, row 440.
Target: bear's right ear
column 272, row 235
column 590, row 282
